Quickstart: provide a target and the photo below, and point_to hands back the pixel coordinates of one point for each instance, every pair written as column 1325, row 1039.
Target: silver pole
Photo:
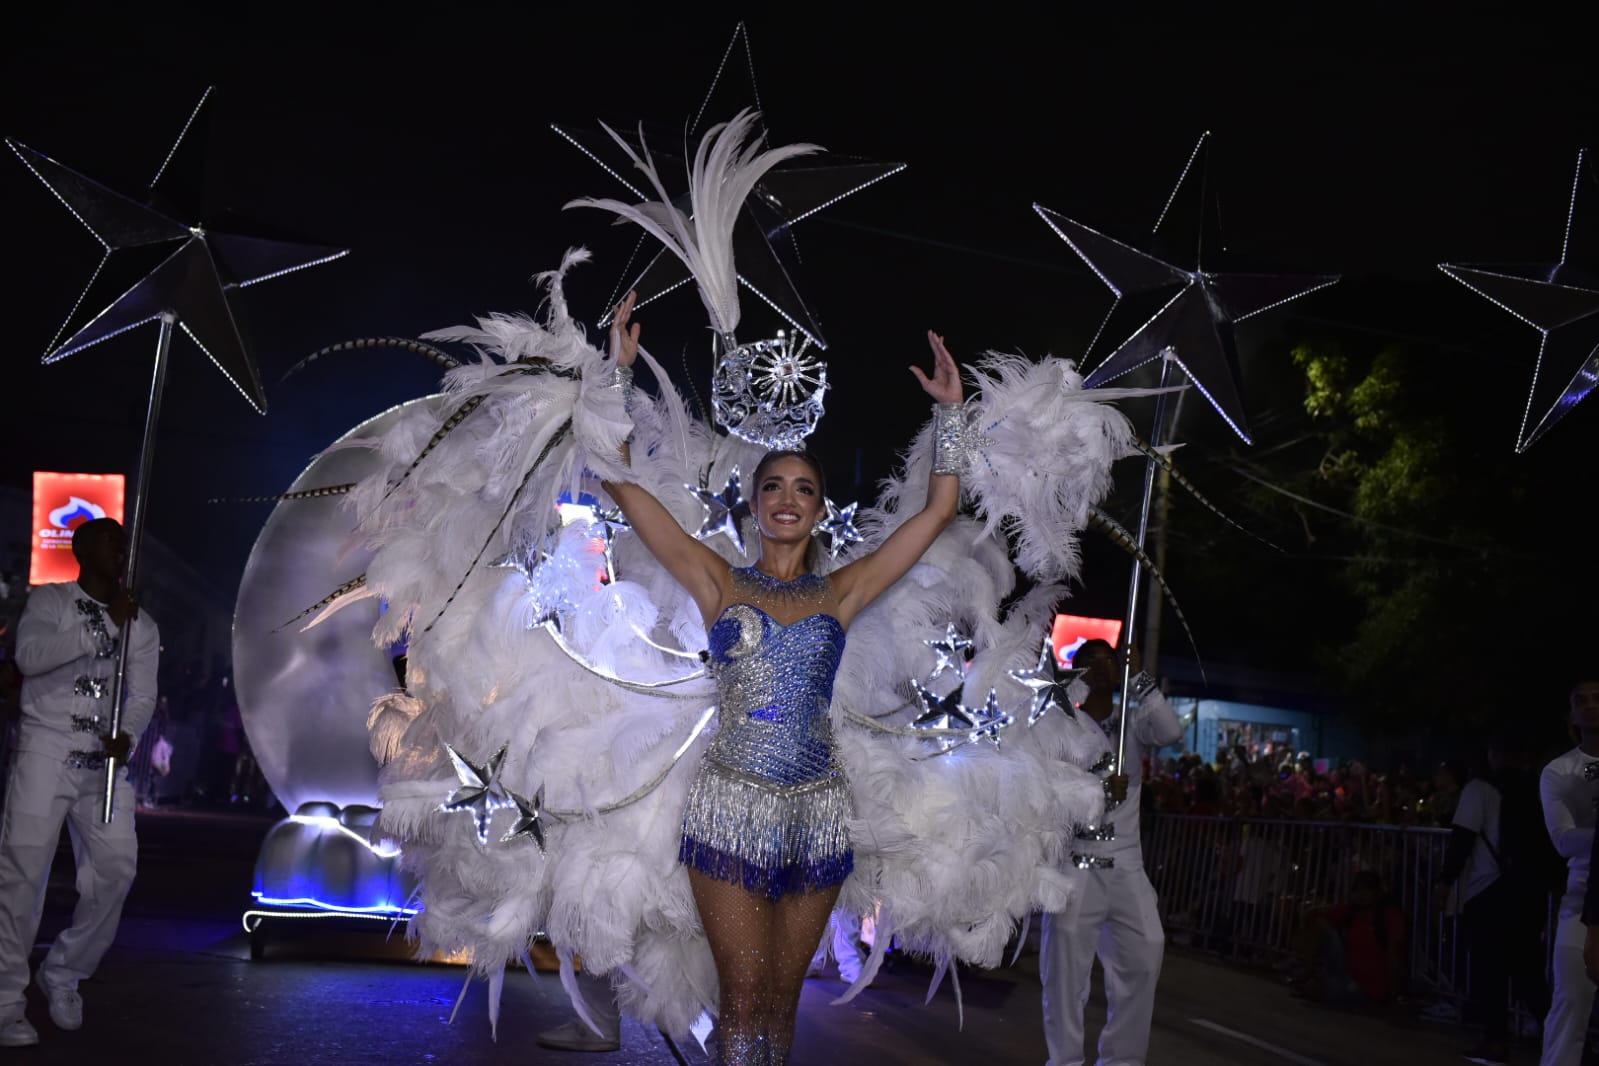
column 141, row 500
column 1130, row 620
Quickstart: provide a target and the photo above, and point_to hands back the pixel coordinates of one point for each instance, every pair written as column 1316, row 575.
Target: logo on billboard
column 74, row 513
column 62, row 503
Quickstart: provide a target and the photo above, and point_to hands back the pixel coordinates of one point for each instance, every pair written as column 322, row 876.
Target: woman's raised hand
column 624, row 337
column 945, row 384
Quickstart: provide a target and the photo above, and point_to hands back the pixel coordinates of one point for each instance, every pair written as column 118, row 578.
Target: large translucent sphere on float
column 304, row 695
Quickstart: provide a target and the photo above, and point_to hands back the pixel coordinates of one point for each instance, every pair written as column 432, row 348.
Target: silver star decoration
column 478, row 791
column 991, row 718
column 529, row 815
column 608, row 522
column 951, row 651
column 1046, row 683
column 154, row 265
column 1187, row 313
column 839, row 528
column 1561, row 301
column 723, row 511
column 942, row 712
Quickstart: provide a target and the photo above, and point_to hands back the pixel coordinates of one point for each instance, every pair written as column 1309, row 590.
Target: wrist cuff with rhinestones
column 951, row 438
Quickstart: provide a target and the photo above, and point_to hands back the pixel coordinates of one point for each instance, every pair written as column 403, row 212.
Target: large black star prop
column 1561, row 301
column 1188, row 313
column 155, row 265
column 763, row 239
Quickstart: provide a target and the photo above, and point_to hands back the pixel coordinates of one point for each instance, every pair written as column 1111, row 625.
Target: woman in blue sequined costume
column 764, row 833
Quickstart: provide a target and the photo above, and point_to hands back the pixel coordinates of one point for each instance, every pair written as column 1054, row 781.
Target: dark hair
column 1093, row 642
column 801, row 454
column 90, row 531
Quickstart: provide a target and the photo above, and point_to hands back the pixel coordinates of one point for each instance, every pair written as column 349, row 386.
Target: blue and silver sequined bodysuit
column 769, row 806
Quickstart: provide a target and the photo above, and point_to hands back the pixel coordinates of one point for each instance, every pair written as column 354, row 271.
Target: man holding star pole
column 1113, row 911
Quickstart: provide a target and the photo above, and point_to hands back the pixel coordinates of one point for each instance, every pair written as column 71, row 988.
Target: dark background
column 1369, row 142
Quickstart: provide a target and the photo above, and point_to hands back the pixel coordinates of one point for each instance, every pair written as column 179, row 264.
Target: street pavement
column 180, row 989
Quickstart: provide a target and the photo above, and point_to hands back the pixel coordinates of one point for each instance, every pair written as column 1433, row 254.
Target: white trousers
column 1113, row 915
column 1567, row 1024
column 42, row 793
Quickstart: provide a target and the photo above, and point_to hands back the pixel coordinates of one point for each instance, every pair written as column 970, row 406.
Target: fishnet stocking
column 762, row 949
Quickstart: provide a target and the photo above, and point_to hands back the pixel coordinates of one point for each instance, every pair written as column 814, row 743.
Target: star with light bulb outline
column 478, row 789
column 1197, row 309
column 1047, row 683
column 154, row 265
column 950, row 650
column 1561, row 301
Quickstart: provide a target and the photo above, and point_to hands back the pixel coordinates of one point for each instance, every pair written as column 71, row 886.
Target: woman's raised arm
column 697, row 568
column 862, row 581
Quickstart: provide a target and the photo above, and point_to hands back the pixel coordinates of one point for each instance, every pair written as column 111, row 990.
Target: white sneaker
column 16, row 1032
column 66, row 1007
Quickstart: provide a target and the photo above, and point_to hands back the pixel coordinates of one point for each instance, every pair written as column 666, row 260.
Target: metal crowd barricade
column 1243, row 887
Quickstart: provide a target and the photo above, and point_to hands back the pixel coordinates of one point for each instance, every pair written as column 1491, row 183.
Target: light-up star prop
column 763, row 239
column 156, row 265
column 839, row 528
column 723, row 511
column 990, row 719
column 1187, row 312
column 942, row 712
column 529, row 819
column 1047, row 683
column 478, row 791
column 1561, row 301
column 951, row 650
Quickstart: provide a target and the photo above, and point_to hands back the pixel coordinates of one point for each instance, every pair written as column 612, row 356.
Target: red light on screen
column 62, row 503
column 1071, row 630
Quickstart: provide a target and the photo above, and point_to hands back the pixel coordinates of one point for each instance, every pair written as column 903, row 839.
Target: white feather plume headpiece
column 726, row 167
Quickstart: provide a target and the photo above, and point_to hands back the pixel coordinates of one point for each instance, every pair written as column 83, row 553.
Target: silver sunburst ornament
column 768, row 392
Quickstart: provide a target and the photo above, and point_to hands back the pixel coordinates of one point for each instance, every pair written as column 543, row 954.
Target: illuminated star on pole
column 1047, row 683
column 478, row 791
column 529, row 819
column 764, row 246
column 951, row 651
column 839, row 528
column 723, row 511
column 1561, row 301
column 156, row 265
column 1189, row 313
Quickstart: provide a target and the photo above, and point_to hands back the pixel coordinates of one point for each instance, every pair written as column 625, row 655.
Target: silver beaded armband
column 951, row 438
column 1141, row 684
column 621, row 377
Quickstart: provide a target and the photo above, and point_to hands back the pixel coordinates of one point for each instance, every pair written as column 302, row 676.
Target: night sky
column 1357, row 142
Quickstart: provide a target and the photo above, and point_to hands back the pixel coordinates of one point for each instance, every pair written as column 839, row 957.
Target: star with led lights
column 1188, row 314
column 478, row 789
column 608, row 523
column 839, row 528
column 942, row 712
column 991, row 718
column 1046, row 683
column 529, row 819
column 723, row 511
column 155, row 266
column 1561, row 301
column 951, row 651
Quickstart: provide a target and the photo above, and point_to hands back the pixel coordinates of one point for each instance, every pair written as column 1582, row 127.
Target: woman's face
column 788, row 501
